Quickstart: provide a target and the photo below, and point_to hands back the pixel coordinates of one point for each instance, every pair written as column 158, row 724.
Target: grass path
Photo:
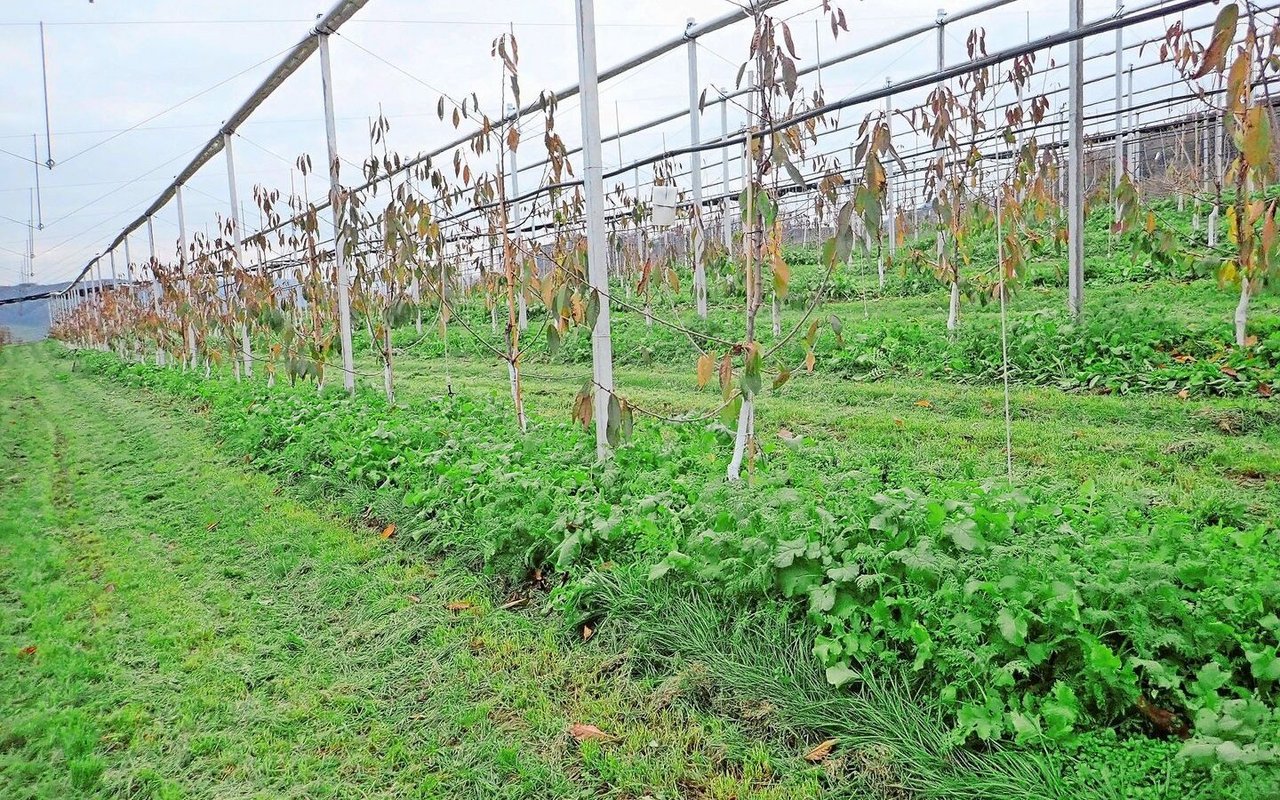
column 173, row 626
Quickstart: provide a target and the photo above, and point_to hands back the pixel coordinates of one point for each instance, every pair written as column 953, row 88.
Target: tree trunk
column 746, row 426
column 1242, row 311
column 388, row 380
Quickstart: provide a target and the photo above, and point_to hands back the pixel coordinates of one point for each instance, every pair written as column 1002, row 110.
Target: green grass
column 758, row 688
column 174, row 626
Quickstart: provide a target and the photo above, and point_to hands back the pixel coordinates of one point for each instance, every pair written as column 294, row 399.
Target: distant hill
column 27, row 321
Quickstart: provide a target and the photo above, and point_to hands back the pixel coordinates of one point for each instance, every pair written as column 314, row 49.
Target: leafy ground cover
column 1091, row 619
column 172, row 625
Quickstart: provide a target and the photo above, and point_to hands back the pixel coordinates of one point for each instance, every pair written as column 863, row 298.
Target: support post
column 517, row 213
column 339, row 235
column 1075, row 168
column 153, row 263
column 593, row 186
column 695, row 175
column 726, row 219
column 190, row 331
column 246, row 349
column 128, row 262
column 1217, row 180
column 1135, row 142
column 1118, row 169
column 891, row 203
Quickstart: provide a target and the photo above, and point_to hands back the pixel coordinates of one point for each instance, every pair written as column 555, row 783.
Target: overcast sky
column 136, row 87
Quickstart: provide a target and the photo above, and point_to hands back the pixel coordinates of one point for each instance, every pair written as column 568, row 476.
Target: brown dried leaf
column 388, row 531
column 706, row 366
column 589, row 733
column 459, row 605
column 821, row 751
column 924, row 404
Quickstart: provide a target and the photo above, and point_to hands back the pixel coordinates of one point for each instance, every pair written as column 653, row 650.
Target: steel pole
column 695, row 174
column 726, row 221
column 593, row 186
column 517, row 213
column 182, row 268
column 246, row 348
column 339, row 233
column 1075, row 168
column 1118, row 169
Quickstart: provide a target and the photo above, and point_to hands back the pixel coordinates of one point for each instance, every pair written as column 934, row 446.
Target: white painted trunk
column 1242, row 312
column 388, row 380
column 880, row 268
column 953, row 313
column 246, row 351
column 1213, row 227
column 522, row 309
column 515, row 396
column 746, row 428
column 777, row 318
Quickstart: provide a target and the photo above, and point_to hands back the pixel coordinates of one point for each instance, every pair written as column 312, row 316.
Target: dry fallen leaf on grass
column 924, row 404
column 414, row 598
column 589, row 733
column 459, row 605
column 388, row 531
column 213, row 526
column 29, row 650
column 588, row 632
column 821, row 751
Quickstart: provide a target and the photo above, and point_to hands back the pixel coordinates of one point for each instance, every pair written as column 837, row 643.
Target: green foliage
column 1112, row 350
column 1027, row 615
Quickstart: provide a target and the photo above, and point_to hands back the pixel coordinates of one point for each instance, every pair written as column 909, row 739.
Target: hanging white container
column 663, row 208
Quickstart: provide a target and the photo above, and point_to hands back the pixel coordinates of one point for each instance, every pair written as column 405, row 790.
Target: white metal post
column 942, row 38
column 517, row 214
column 891, row 204
column 186, row 278
column 246, row 351
column 152, row 263
column 695, row 174
column 593, row 185
column 97, row 307
column 128, row 262
column 339, row 235
column 726, row 220
column 1075, row 167
column 1217, row 177
column 112, row 255
column 1118, row 169
column 1133, row 157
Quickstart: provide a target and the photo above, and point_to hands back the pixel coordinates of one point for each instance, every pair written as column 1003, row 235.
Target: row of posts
column 595, row 202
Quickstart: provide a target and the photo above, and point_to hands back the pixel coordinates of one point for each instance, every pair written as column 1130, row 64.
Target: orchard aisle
column 173, row 626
